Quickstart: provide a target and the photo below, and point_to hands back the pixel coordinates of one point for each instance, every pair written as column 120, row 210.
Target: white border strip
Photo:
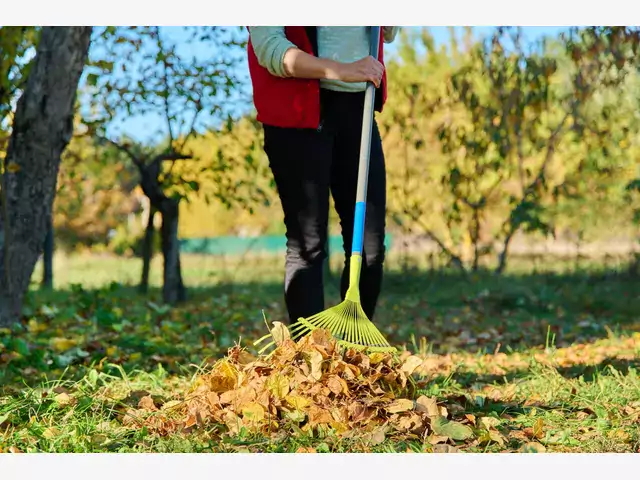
column 325, row 12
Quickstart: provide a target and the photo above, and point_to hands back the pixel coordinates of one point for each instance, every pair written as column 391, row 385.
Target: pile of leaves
column 308, row 388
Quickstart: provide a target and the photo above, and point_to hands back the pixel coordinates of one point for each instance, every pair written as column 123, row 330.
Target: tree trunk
column 147, row 251
column 47, row 257
column 41, row 130
column 173, row 288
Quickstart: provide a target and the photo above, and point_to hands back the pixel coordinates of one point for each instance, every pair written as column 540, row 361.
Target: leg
column 343, row 187
column 300, row 161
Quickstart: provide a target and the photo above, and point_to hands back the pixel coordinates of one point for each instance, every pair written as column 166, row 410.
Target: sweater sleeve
column 270, row 44
column 389, row 33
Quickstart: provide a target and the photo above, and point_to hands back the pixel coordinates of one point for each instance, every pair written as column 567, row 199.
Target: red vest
column 295, row 102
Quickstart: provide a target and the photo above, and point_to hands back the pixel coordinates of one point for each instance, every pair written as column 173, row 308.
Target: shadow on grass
column 480, row 313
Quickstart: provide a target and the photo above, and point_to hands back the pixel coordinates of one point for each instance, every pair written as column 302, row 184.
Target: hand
column 367, row 69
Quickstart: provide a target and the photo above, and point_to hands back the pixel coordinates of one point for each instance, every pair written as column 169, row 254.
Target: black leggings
column 307, row 164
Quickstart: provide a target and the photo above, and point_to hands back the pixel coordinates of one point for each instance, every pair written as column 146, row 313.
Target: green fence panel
column 239, row 245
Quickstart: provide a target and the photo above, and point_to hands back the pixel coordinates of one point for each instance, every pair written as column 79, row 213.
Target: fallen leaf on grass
column 447, row 428
column 64, row 399
column 445, row 449
column 428, row 406
column 490, row 436
column 532, row 447
column 306, row 450
column 50, row 432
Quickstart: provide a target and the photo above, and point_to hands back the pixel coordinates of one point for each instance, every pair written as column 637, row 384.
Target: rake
column 347, row 321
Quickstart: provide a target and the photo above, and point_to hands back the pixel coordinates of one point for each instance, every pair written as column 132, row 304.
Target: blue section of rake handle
column 358, row 228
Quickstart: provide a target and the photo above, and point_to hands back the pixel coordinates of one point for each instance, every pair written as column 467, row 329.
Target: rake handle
column 365, row 153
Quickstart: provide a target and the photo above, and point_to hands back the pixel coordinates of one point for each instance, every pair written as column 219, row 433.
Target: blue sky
column 139, row 127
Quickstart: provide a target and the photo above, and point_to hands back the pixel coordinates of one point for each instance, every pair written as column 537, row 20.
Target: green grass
column 550, row 357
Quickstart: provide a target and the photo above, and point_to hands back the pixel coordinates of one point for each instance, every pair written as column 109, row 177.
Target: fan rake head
column 347, row 323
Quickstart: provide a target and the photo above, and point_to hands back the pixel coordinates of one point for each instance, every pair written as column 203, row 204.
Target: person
column 308, row 90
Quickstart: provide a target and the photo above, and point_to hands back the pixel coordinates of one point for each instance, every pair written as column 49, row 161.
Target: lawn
column 523, row 362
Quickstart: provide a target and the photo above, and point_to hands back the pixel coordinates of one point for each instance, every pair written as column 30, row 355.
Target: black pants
column 307, row 164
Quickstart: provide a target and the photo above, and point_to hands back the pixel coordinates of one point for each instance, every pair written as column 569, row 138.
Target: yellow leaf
column 280, row 332
column 35, row 327
column 134, row 357
column 111, row 351
column 400, row 405
column 376, row 357
column 410, row 364
column 538, row 428
column 278, row 385
column 61, row 344
column 50, row 432
column 13, row 167
column 253, row 413
column 297, row 402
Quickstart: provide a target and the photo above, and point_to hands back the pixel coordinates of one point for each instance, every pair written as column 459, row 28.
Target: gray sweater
column 342, row 44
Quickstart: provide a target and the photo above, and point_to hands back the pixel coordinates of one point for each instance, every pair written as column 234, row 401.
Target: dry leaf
column 314, row 360
column 435, row 439
column 253, row 413
column 445, row 449
column 147, row 403
column 280, row 333
column 410, row 364
column 278, row 385
column 400, row 405
column 427, row 405
column 64, row 399
column 446, row 428
column 306, row 450
column 538, row 428
column 50, row 432
column 489, row 422
column 532, row 447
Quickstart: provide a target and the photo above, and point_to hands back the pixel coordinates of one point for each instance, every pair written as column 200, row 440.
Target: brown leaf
column 400, row 405
column 306, row 450
column 471, row 418
column 376, row 437
column 319, row 415
column 337, row 385
column 435, row 439
column 427, row 405
column 445, row 449
column 64, row 399
column 489, row 422
column 314, row 361
column 410, row 364
column 147, row 403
